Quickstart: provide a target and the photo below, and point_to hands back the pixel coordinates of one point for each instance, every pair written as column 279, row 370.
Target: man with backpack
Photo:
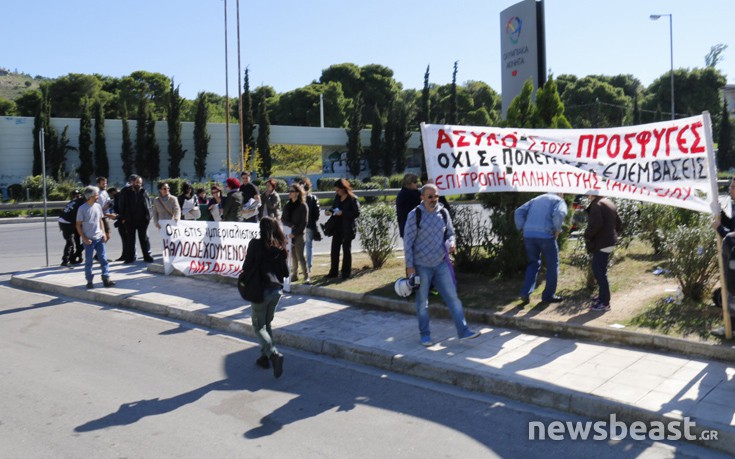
column 428, row 238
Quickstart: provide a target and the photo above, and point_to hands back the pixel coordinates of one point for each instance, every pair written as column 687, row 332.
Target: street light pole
column 655, row 17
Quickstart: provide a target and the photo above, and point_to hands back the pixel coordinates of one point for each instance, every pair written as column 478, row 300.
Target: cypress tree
column 151, row 147
column 101, row 162
column 248, row 123
column 42, row 120
column 453, row 115
column 263, row 141
column 201, row 136
column 126, row 154
column 141, row 155
column 425, row 116
column 376, row 142
column 354, row 143
column 389, row 141
column 401, row 134
column 86, row 161
column 725, row 154
column 175, row 150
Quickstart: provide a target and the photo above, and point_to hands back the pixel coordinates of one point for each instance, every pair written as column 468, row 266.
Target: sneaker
column 600, row 307
column 434, row 292
column 554, row 299
column 64, row 263
column 277, row 361
column 469, row 334
column 107, row 282
column 525, row 300
column 90, row 285
column 307, row 281
column 263, row 362
column 426, row 341
column 148, row 259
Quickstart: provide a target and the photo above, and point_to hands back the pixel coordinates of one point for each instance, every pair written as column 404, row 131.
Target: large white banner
column 666, row 163
column 198, row 247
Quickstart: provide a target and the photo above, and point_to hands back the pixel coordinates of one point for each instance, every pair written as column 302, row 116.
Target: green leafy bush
column 656, row 221
column 471, row 232
column 378, row 232
column 690, row 251
column 395, row 181
column 380, row 181
column 34, row 185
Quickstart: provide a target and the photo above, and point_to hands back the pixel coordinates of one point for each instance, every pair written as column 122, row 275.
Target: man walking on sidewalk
column 428, row 238
column 540, row 219
column 91, row 228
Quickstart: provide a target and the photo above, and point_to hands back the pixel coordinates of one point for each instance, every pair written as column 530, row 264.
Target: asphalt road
column 85, row 380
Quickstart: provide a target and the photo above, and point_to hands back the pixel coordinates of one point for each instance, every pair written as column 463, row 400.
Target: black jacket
column 270, row 262
column 406, row 201
column 135, row 206
column 603, row 224
column 346, row 228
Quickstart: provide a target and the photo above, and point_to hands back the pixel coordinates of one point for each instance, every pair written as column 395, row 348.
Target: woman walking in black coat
column 345, row 209
column 266, row 257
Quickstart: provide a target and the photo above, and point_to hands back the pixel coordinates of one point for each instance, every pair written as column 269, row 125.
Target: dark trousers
column 141, row 228
column 599, row 269
column 346, row 245
column 124, row 239
column 73, row 247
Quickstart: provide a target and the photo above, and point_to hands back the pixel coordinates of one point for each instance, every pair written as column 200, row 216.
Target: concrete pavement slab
column 578, row 376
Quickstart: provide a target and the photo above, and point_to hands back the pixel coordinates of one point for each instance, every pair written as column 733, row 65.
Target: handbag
column 250, row 283
column 330, row 226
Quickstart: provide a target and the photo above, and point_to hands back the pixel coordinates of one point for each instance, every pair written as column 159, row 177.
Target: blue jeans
column 308, row 241
column 441, row 278
column 599, row 269
column 101, row 248
column 262, row 316
column 535, row 247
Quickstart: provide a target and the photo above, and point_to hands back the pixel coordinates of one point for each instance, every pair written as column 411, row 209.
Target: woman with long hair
column 295, row 216
column 189, row 203
column 271, row 201
column 267, row 257
column 345, row 209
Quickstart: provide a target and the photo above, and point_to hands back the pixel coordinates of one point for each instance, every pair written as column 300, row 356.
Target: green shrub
column 690, row 251
column 381, row 181
column 471, row 231
column 34, row 185
column 371, row 186
column 629, row 212
column 395, row 181
column 378, row 232
column 656, row 221
column 356, row 184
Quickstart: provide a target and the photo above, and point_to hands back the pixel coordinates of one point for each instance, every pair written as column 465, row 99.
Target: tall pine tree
column 549, row 107
column 453, row 114
column 176, row 151
column 101, row 161
column 725, row 151
column 248, row 122
column 201, row 136
column 354, row 143
column 376, row 142
column 263, row 141
column 86, row 161
column 126, row 153
column 389, row 140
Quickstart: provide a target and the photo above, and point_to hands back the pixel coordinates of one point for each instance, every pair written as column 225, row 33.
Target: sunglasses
column 432, row 196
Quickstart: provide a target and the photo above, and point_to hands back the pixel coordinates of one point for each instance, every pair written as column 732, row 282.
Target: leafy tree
column 453, row 117
column 29, row 103
column 299, row 159
column 299, row 107
column 354, row 143
column 389, row 142
column 347, row 75
column 7, row 107
column 41, row 121
column 400, row 115
column 126, row 154
column 714, row 56
column 176, row 151
column 695, row 90
column 67, row 93
column 146, row 85
column 248, row 122
column 379, row 87
column 59, row 149
column 522, row 111
column 376, row 142
column 263, row 141
column 101, row 162
column 725, row 151
column 630, row 85
column 636, row 110
column 485, row 100
column 424, row 116
column 201, row 136
column 86, row 161
column 589, row 102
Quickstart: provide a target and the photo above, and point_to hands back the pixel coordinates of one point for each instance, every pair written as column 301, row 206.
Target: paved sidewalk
column 575, row 376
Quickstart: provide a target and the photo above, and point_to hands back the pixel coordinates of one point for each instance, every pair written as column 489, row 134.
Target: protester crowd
column 424, row 224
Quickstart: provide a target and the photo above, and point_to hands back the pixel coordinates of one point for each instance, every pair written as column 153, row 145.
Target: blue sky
column 286, row 43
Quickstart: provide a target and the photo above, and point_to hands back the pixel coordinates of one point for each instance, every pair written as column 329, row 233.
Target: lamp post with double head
column 655, row 17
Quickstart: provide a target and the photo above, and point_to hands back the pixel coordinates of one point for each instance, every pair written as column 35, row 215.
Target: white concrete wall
column 16, row 145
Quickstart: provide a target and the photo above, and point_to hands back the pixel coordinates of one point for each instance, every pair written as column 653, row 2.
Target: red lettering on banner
column 442, row 138
column 600, row 142
column 615, row 139
column 680, row 141
column 461, row 142
column 478, row 137
column 658, row 134
column 669, row 131
column 643, row 138
column 580, row 146
column 696, row 148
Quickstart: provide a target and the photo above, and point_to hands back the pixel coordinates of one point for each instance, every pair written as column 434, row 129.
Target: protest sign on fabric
column 666, row 163
column 198, row 247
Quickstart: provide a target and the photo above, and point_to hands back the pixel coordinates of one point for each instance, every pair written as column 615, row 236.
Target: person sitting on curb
column 425, row 247
column 541, row 219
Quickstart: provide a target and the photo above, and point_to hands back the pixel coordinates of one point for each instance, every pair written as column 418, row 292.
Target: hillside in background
column 13, row 84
